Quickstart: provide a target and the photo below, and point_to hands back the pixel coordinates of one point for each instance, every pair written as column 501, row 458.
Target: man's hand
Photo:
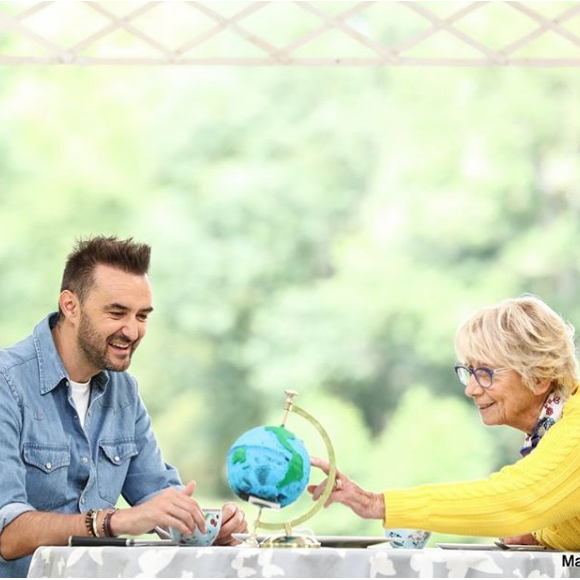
column 233, row 521
column 171, row 508
column 365, row 504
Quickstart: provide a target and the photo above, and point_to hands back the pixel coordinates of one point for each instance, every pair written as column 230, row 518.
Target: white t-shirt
column 81, row 393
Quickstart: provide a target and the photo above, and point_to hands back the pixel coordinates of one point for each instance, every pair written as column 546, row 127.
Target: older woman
column 519, row 368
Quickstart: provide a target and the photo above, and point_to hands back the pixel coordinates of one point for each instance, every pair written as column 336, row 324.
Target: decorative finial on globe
column 270, row 467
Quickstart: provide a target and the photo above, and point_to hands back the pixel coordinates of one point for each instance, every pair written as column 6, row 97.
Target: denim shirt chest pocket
column 46, row 474
column 112, row 466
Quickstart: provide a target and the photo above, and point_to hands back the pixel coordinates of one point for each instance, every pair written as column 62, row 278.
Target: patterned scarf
column 551, row 412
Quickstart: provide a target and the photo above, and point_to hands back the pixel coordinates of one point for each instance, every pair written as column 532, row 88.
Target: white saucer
column 334, row 541
column 497, row 546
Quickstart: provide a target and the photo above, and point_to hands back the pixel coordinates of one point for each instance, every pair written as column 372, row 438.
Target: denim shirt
column 48, row 462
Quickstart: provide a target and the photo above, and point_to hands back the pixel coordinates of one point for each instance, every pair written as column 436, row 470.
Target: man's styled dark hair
column 126, row 255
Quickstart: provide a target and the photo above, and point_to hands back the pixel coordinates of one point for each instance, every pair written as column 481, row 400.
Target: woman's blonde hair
column 526, row 335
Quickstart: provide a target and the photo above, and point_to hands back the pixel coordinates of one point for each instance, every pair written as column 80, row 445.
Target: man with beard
column 75, row 433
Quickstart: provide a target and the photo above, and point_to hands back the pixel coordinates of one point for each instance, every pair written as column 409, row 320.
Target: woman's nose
column 472, row 387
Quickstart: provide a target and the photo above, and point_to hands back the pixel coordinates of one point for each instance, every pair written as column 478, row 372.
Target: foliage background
column 324, row 230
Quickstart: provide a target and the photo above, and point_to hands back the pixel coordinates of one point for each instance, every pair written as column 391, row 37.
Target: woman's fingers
column 323, row 464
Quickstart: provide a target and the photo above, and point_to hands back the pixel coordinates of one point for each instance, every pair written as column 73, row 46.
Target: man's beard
column 95, row 347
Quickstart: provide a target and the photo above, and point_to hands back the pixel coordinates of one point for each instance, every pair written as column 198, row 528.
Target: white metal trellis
column 363, row 33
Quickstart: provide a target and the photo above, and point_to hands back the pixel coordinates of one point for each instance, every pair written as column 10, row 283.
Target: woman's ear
column 542, row 386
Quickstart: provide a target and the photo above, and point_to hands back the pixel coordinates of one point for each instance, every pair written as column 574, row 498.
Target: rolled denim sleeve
column 13, row 497
column 148, row 474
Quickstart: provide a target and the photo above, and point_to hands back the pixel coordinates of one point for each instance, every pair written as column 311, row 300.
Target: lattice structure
column 291, row 33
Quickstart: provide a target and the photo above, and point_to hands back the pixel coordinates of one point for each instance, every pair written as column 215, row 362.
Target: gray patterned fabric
column 216, row 562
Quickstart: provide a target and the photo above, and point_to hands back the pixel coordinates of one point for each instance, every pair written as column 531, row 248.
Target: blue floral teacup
column 410, row 539
column 213, row 522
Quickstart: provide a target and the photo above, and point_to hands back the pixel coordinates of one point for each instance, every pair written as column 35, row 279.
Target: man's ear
column 69, row 305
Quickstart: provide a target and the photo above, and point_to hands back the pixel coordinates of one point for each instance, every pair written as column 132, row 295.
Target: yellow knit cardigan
column 539, row 493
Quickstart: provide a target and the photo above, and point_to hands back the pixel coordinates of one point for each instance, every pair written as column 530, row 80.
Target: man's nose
column 131, row 329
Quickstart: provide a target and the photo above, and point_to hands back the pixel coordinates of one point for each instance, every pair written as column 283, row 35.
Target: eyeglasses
column 483, row 375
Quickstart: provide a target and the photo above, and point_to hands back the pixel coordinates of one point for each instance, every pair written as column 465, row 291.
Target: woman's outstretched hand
column 363, row 503
column 526, row 539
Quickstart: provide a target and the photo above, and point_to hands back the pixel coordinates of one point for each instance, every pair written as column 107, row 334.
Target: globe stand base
column 284, row 541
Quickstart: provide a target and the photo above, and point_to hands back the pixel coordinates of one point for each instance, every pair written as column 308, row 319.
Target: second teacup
column 410, row 539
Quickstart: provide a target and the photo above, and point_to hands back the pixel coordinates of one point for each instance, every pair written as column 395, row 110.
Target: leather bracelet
column 89, row 523
column 107, row 532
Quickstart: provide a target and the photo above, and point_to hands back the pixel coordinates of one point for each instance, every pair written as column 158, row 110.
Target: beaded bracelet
column 89, row 523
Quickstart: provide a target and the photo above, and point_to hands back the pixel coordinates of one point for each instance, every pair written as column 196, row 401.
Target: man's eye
column 117, row 314
column 142, row 317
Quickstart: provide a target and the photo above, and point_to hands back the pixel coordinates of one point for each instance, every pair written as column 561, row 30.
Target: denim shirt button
column 82, row 500
column 48, row 465
column 117, row 459
column 84, row 459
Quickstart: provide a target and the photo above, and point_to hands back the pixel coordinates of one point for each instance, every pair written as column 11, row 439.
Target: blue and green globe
column 269, row 463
